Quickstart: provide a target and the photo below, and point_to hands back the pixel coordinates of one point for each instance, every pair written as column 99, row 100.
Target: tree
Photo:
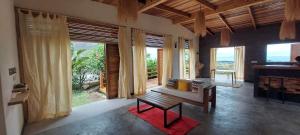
column 96, row 61
column 79, row 68
column 151, row 66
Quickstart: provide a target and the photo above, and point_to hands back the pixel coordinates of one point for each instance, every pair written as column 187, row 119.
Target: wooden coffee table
column 163, row 102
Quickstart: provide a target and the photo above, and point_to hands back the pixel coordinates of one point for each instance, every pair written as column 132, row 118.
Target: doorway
column 154, row 66
column 224, row 62
column 227, row 65
column 88, row 72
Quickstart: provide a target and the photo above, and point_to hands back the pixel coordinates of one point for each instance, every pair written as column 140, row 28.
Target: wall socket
column 12, row 71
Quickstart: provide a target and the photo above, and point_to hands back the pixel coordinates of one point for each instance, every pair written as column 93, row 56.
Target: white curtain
column 45, row 46
column 124, row 70
column 287, row 30
column 192, row 59
column 181, row 48
column 139, row 62
column 239, row 60
column 167, row 60
column 213, row 59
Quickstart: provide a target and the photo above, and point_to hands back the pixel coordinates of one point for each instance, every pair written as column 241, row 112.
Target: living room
column 260, row 94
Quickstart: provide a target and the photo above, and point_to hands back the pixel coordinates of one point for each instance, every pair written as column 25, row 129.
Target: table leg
column 213, row 102
column 165, row 119
column 166, row 124
column 180, row 110
column 214, row 74
column 138, row 105
column 232, row 78
column 144, row 110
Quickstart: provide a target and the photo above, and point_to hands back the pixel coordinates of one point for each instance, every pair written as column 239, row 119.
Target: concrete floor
column 152, row 83
column 237, row 113
column 78, row 113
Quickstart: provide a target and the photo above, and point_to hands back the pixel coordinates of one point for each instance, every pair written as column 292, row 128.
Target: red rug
column 155, row 117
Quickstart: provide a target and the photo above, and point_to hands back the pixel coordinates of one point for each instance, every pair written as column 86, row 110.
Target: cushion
column 172, row 83
column 183, row 85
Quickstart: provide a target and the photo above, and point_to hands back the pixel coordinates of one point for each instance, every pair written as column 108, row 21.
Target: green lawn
column 80, row 98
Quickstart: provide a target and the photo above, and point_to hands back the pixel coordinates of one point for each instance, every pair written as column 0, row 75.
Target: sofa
column 198, row 92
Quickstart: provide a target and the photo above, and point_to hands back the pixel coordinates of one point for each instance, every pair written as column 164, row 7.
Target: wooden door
column 295, row 51
column 112, row 70
column 159, row 65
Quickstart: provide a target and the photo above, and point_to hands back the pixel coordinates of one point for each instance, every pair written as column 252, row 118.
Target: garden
column 88, row 69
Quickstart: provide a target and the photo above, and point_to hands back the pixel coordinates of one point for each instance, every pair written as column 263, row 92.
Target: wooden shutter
column 112, row 70
column 159, row 64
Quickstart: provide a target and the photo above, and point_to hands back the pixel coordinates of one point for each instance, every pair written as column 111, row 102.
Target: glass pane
column 279, row 53
column 152, row 70
column 187, row 63
column 225, row 58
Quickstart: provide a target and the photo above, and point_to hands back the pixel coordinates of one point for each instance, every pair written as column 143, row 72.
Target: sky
column 225, row 54
column 84, row 45
column 152, row 51
column 279, row 52
column 279, row 49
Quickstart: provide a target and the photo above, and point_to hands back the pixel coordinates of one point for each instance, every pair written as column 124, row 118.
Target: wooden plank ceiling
column 220, row 14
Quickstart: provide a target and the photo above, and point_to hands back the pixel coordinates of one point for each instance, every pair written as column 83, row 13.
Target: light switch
column 254, row 61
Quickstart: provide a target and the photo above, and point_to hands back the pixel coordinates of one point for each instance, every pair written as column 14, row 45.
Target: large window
column 187, row 59
column 187, row 63
column 282, row 52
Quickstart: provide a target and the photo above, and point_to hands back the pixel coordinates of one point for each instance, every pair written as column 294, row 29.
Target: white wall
column 8, row 59
column 2, row 117
column 96, row 11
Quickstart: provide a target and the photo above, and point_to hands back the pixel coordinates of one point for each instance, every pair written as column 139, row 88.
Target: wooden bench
column 208, row 95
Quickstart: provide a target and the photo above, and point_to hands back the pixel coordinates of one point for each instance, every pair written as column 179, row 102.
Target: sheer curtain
column 45, row 46
column 139, row 62
column 124, row 71
column 181, row 57
column 167, row 60
column 239, row 60
column 213, row 59
column 192, row 60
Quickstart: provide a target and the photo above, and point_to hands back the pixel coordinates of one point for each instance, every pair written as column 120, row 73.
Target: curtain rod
column 68, row 16
column 88, row 20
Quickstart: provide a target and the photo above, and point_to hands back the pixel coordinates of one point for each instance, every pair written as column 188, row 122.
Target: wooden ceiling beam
column 231, row 5
column 151, row 4
column 209, row 31
column 173, row 10
column 225, row 22
column 104, row 1
column 207, row 4
column 252, row 17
